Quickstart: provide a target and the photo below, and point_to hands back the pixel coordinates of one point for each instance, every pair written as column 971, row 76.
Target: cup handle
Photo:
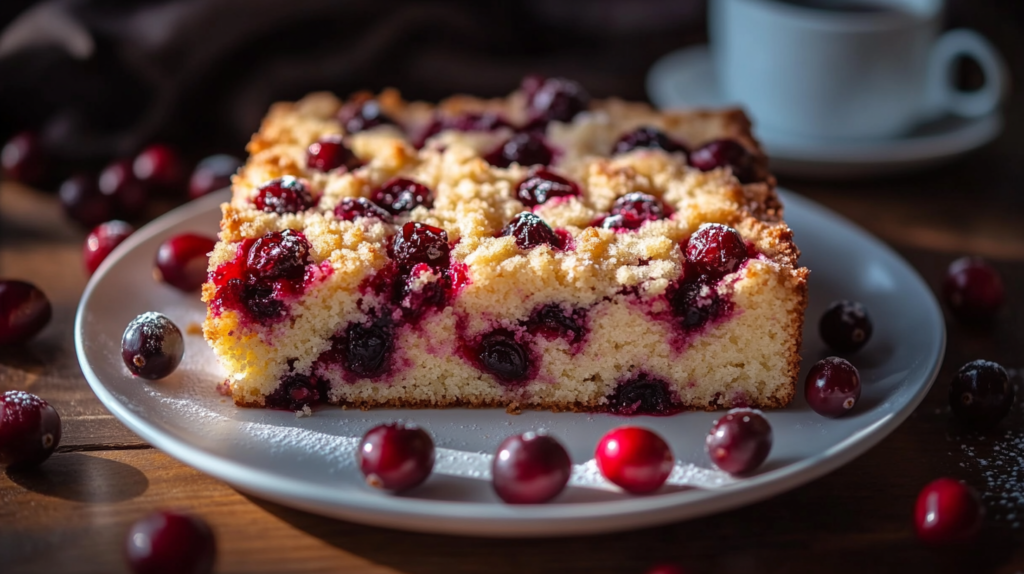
column 943, row 95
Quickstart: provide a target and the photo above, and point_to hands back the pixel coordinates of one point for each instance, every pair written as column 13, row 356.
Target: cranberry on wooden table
column 22, row 159
column 170, row 542
column 181, row 261
column 160, row 167
column 530, row 468
column 129, row 195
column 30, row 430
column 740, row 441
column 634, row 458
column 396, row 456
column 973, row 290
column 102, row 240
column 981, row 394
column 24, row 311
column 82, row 201
column 948, row 512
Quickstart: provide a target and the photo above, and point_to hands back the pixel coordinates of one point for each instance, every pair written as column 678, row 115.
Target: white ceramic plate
column 686, row 78
column 308, row 463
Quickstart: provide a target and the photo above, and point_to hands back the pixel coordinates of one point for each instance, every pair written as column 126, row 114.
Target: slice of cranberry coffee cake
column 544, row 250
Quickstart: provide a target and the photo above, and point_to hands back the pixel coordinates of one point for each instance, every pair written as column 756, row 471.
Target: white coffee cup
column 833, row 73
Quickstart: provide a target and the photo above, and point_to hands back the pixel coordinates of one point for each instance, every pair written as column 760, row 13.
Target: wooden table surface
column 71, row 514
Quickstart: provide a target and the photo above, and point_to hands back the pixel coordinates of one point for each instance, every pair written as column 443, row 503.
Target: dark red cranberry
column 948, row 512
column 531, row 231
column 24, row 311
column 367, row 349
column 329, row 153
column 554, row 322
column 634, row 458
column 530, row 468
column 642, row 395
column 181, row 261
column 284, row 195
column 129, row 195
column 421, row 243
column 845, row 326
column 524, row 148
column 716, row 250
column 554, row 100
column 352, row 208
column 500, row 355
column 22, row 159
column 832, row 387
column 294, row 393
column 415, row 297
column 981, row 394
column 83, row 201
column 279, row 255
column 401, row 195
column 695, row 304
column 29, row 430
column 212, row 174
column 648, row 138
column 543, row 184
column 973, row 290
column 102, row 240
column 725, row 153
column 633, row 209
column 396, row 456
column 152, row 346
column 740, row 441
column 160, row 167
column 170, row 543
column 363, row 116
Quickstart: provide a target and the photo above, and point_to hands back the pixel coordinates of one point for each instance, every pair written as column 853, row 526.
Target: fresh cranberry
column 739, row 441
column 845, row 326
column 401, row 195
column 554, row 100
column 22, row 159
column 83, row 201
column 29, row 430
column 294, row 393
column 363, row 116
column 102, row 240
column 973, row 290
column 530, row 468
column 554, row 322
column 279, row 255
column 421, row 243
column 695, row 304
column 716, row 250
column 636, row 459
column 543, row 184
column 24, row 311
column 181, row 261
column 212, row 174
column 396, row 456
column 129, row 195
column 329, row 153
column 524, row 148
column 160, row 167
column 284, row 195
column 170, row 542
column 500, row 355
column 648, row 138
column 642, row 395
column 152, row 346
column 633, row 209
column 725, row 153
column 832, row 387
column 367, row 349
column 948, row 512
column 981, row 394
column 530, row 231
column 352, row 208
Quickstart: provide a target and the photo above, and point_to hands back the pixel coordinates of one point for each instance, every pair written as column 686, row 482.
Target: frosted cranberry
column 160, row 167
column 129, row 195
column 648, row 138
column 947, row 512
column 102, row 240
column 500, row 355
column 23, row 159
column 284, row 195
column 554, row 99
column 642, row 395
column 279, row 255
column 633, row 209
column 973, row 290
column 531, row 231
column 330, row 153
column 170, row 543
column 725, row 153
column 543, row 184
column 845, row 326
column 530, row 468
column 367, row 349
column 695, row 304
column 401, row 195
column 181, row 261
column 24, row 311
column 29, row 430
column 832, row 387
column 212, row 174
column 294, row 393
column 740, row 441
column 981, row 394
column 363, row 116
column 83, row 202
column 524, row 148
column 554, row 322
column 421, row 243
column 716, row 250
column 396, row 456
column 634, row 458
column 352, row 208
column 152, row 346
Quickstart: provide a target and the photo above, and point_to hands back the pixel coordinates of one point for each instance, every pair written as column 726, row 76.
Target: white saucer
column 686, row 78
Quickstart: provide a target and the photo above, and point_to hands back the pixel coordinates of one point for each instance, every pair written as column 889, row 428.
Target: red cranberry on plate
column 212, row 174
column 129, row 195
column 181, row 261
column 330, row 153
column 716, row 250
column 102, row 240
column 352, row 208
column 543, row 184
column 152, row 346
column 524, row 148
column 22, row 159
column 845, row 326
column 421, row 243
column 530, row 231
column 981, row 394
column 647, row 137
column 832, row 387
column 973, row 290
column 636, row 459
column 740, row 441
column 401, row 195
column 83, row 202
column 284, row 195
column 725, row 153
column 24, row 311
column 159, row 167
column 396, row 456
column 29, row 430
column 169, row 542
column 947, row 512
column 530, row 468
